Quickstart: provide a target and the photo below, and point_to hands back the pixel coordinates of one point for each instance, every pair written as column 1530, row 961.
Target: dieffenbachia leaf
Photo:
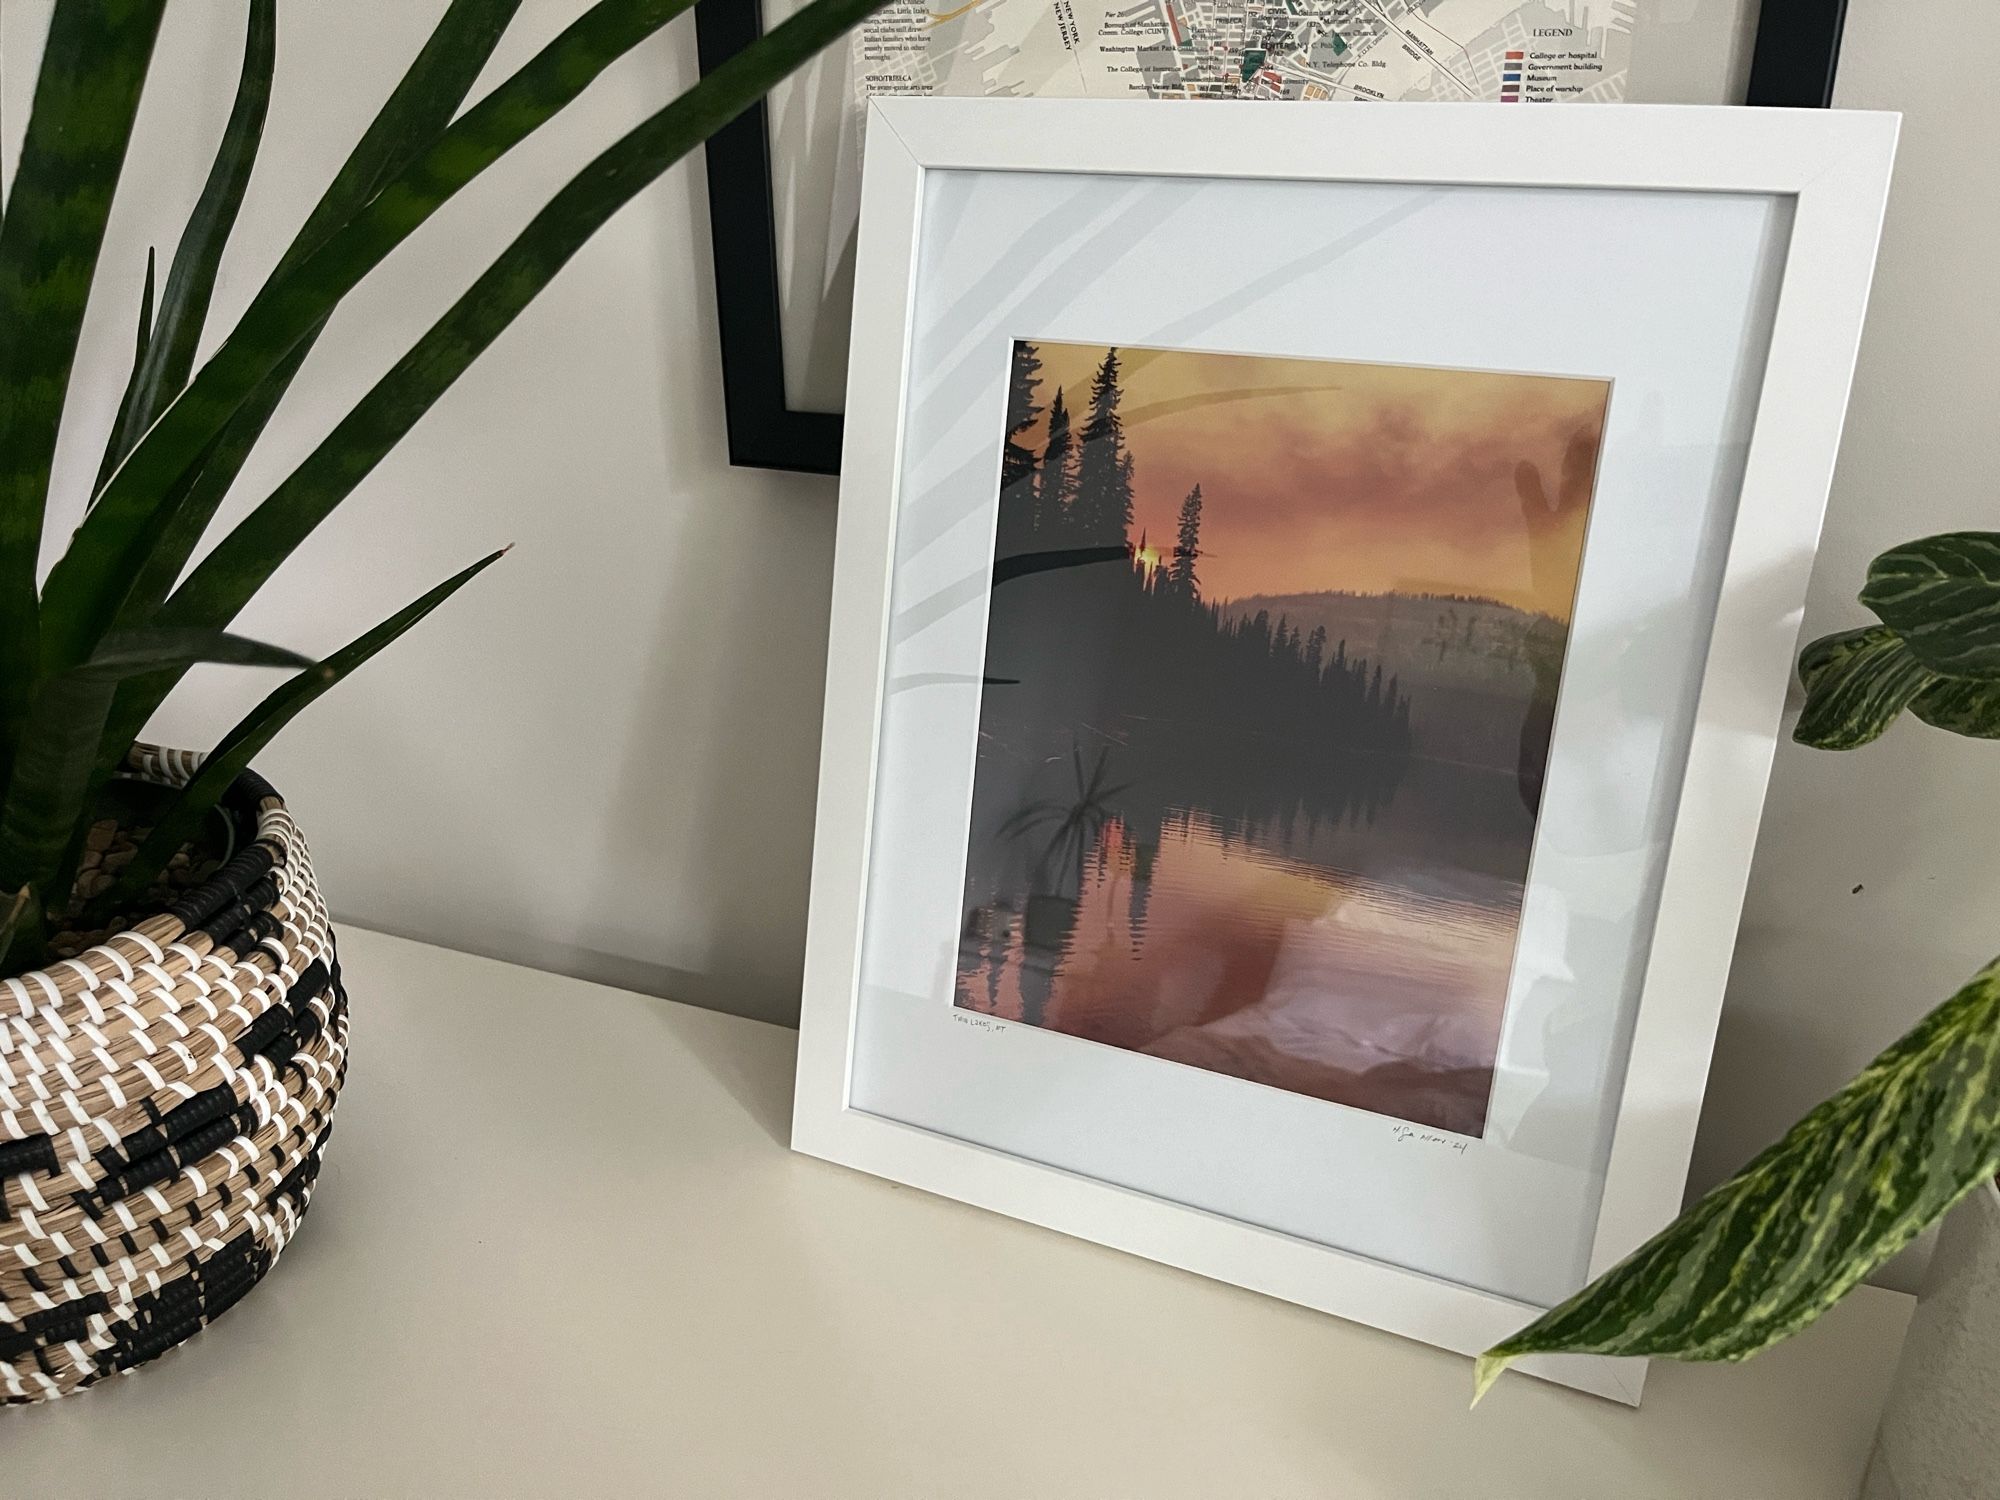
column 1941, row 594
column 1775, row 1246
column 223, row 582
column 1831, row 650
column 1963, row 705
column 52, row 779
column 93, row 66
column 230, row 758
column 1856, row 682
column 89, row 584
column 164, row 364
column 112, row 452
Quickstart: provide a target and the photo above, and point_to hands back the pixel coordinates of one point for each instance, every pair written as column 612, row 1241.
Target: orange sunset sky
column 1319, row 474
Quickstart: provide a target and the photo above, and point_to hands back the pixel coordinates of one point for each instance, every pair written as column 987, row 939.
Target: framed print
column 1313, row 600
column 782, row 180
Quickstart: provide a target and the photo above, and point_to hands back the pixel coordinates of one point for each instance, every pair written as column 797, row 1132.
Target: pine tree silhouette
column 1056, row 478
column 1015, row 531
column 1181, row 572
column 1102, row 509
column 1017, row 461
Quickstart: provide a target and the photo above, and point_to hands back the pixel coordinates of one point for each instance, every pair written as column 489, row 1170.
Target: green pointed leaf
column 243, row 743
column 1941, row 594
column 112, row 452
column 1771, row 1249
column 1856, row 684
column 1962, row 705
column 20, row 930
column 90, row 583
column 53, row 782
column 11, row 921
column 163, row 368
column 417, row 110
column 225, row 580
column 129, row 652
column 93, row 65
column 422, row 104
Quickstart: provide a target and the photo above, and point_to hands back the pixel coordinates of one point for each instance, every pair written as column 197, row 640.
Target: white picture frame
column 1833, row 167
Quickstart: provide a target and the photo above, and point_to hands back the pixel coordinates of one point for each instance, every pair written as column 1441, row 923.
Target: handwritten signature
column 1419, row 1136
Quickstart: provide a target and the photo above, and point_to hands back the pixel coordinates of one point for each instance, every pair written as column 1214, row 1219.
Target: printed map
column 1526, row 51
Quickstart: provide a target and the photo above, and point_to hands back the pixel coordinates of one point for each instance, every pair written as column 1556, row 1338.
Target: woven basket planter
column 165, row 1097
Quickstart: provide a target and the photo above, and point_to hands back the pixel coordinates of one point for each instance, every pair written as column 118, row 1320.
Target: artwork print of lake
column 1271, row 672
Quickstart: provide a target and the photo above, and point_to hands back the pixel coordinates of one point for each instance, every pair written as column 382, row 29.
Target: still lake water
column 1364, row 960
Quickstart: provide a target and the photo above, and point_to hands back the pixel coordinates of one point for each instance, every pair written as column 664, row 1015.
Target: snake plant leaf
column 1784, row 1239
column 1963, row 705
column 1941, row 594
column 164, row 365
column 52, row 772
column 224, row 581
column 112, row 452
column 126, row 653
column 93, row 66
column 1856, row 684
column 16, row 908
column 230, row 758
column 89, row 584
column 421, row 105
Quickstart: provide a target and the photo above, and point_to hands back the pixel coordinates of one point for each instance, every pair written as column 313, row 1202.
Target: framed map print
column 783, row 179
column 1299, row 700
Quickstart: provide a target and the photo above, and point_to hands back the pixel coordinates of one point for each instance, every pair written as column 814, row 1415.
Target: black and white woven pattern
column 165, row 1098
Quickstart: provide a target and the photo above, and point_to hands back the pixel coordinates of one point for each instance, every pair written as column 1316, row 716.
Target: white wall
column 601, row 757
column 1876, row 889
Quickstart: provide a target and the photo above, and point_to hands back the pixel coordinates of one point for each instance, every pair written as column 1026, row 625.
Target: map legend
column 1516, row 51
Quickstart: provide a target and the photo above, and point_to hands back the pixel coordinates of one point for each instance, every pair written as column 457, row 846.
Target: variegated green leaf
column 1941, row 594
column 1831, row 649
column 1857, row 682
column 1963, row 705
column 1848, row 1186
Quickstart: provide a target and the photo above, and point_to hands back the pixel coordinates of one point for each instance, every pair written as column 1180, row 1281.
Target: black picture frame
column 1797, row 51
